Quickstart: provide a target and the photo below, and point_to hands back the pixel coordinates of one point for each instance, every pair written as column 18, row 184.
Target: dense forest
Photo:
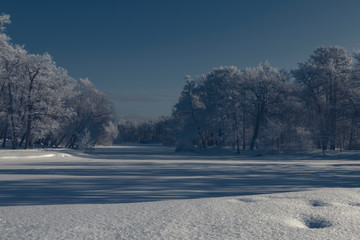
column 41, row 104
column 316, row 105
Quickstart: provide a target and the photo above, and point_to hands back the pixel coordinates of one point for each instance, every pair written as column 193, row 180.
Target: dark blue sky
column 138, row 52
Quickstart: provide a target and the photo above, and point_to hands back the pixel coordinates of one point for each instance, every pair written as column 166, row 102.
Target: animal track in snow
column 316, row 222
column 318, row 203
column 246, row 200
column 354, row 204
column 309, row 222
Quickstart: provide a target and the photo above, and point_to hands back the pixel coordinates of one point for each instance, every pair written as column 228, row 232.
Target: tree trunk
column 5, row 136
column 28, row 133
column 244, row 124
column 333, row 117
column 256, row 131
column 244, row 132
column 237, row 143
column 30, row 110
column 351, row 134
column 12, row 119
column 63, row 137
column 22, row 140
column 236, row 129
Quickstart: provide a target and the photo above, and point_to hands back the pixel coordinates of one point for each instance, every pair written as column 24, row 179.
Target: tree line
column 41, row 104
column 316, row 105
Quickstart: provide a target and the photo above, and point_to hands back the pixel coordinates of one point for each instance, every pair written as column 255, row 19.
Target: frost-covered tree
column 265, row 90
column 92, row 111
column 229, row 108
column 41, row 104
column 189, row 114
column 223, row 112
column 326, row 82
column 85, row 141
column 161, row 130
column 209, row 112
column 109, row 134
column 10, row 85
column 45, row 89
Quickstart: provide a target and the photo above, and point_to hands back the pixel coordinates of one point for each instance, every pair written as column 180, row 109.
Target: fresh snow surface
column 131, row 192
column 318, row 214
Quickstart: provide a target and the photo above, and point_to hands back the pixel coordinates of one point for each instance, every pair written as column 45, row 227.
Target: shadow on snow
column 121, row 175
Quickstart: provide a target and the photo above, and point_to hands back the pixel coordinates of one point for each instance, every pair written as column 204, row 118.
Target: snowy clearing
column 61, row 194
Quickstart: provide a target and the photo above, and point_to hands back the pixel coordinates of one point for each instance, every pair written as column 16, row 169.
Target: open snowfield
column 150, row 192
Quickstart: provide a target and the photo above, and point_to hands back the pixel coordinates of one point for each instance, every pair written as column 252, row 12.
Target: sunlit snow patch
column 28, row 157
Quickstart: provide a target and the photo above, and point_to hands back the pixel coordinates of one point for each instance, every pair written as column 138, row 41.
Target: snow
column 150, row 192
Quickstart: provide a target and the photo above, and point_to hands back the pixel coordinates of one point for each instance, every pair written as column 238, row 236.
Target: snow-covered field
column 151, row 192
